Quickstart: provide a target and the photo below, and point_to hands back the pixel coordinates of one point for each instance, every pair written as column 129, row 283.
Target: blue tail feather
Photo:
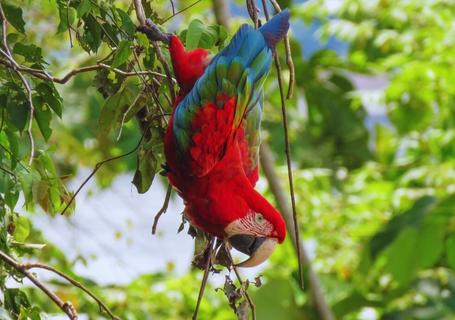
column 276, row 28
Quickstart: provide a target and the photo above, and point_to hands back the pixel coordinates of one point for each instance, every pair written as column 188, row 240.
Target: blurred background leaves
column 371, row 129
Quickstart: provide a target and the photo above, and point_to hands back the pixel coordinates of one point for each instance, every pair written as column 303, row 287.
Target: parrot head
column 252, row 226
column 256, row 235
column 188, row 65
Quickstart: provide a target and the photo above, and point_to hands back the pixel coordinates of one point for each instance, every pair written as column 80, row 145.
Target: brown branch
column 281, row 199
column 42, row 74
column 163, row 208
column 289, row 60
column 204, row 277
column 9, row 56
column 145, row 26
column 101, row 304
column 287, row 151
column 253, row 12
column 221, row 10
column 66, row 307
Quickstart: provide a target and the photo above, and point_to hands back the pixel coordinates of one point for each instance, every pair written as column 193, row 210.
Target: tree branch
column 221, row 11
column 102, row 305
column 66, row 307
column 281, row 199
column 44, row 75
column 163, row 208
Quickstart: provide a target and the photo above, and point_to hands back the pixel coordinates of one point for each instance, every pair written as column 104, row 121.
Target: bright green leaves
column 126, row 24
column 122, row 54
column 83, row 8
column 21, row 228
column 412, row 241
column 50, row 96
column 198, row 35
column 14, row 16
column 450, row 250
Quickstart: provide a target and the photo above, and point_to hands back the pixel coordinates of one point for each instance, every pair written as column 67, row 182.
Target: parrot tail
column 276, row 28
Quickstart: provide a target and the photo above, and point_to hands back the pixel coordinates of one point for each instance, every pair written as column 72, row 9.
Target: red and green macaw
column 213, row 137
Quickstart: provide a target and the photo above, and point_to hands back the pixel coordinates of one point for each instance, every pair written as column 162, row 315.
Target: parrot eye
column 259, row 218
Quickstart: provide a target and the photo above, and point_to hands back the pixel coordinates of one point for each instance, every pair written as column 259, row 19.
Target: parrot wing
column 227, row 97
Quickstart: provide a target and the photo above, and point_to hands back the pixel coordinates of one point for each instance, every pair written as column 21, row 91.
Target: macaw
column 213, row 137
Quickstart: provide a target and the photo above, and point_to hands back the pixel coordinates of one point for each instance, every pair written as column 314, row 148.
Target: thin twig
column 14, row 157
column 172, row 6
column 68, row 22
column 253, row 12
column 245, row 292
column 289, row 60
column 140, row 14
column 42, row 74
column 8, row 171
column 102, row 305
column 204, row 277
column 288, row 152
column 180, row 11
column 66, row 307
column 163, row 208
column 9, row 56
column 100, row 164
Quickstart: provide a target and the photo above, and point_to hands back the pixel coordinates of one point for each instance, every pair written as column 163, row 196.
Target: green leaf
column 51, row 97
column 30, row 52
column 67, row 16
column 91, row 38
column 13, row 147
column 112, row 109
column 393, row 228
column 127, row 25
column 146, row 169
column 83, row 7
column 122, row 54
column 450, row 251
column 18, row 111
column 14, row 16
column 43, row 116
column 11, row 191
column 415, row 249
column 194, row 34
column 22, row 229
column 14, row 300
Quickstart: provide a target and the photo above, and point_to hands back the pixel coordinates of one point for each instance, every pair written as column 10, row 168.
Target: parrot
column 212, row 139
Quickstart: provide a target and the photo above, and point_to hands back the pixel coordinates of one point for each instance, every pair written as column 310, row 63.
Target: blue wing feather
column 239, row 70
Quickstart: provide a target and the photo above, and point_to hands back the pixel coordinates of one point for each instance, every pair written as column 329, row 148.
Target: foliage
column 374, row 186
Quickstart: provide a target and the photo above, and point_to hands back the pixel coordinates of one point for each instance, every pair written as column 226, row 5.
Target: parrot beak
column 258, row 248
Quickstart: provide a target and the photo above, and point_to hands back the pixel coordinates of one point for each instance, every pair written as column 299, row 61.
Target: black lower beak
column 246, row 244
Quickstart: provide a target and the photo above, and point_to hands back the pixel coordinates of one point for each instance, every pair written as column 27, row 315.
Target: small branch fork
column 65, row 306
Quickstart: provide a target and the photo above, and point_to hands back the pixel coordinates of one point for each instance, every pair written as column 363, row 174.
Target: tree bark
column 282, row 201
column 222, row 14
